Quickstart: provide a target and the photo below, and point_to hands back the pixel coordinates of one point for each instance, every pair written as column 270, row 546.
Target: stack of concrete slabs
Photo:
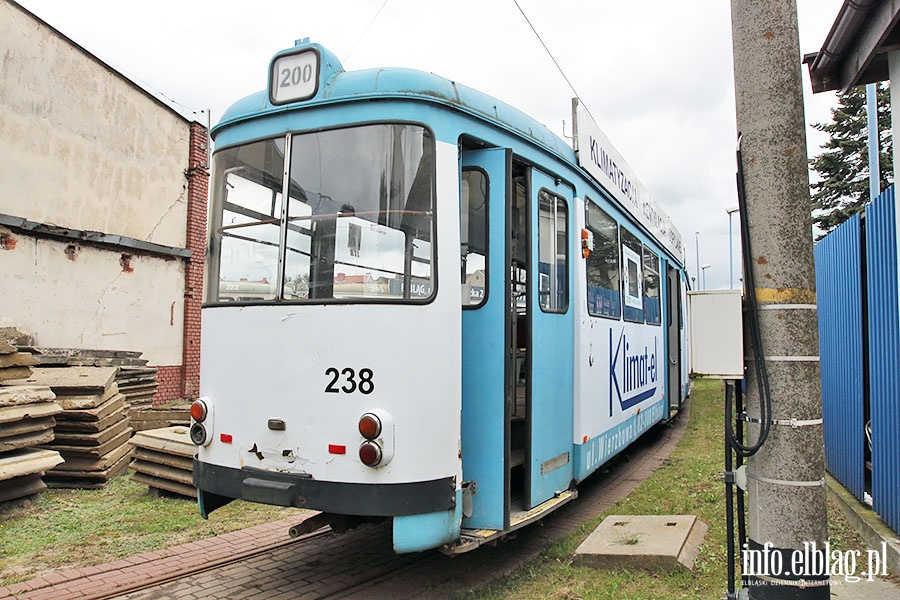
column 93, row 429
column 26, row 420
column 21, row 472
column 163, row 459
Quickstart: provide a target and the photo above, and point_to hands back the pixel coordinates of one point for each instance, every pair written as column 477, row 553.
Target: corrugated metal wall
column 884, row 356
column 860, row 372
column 839, row 295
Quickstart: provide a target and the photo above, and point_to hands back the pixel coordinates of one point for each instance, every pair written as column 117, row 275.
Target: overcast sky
column 656, row 74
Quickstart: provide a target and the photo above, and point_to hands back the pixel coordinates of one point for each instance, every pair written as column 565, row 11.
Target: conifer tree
column 842, row 188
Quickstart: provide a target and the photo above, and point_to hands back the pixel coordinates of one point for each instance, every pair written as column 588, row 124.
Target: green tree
column 842, row 188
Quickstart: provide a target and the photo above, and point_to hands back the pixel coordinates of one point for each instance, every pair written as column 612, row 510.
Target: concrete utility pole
column 785, row 478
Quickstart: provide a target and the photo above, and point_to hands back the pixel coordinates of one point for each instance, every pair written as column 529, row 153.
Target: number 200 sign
column 294, row 77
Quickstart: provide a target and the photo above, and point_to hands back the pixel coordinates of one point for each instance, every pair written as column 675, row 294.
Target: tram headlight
column 370, row 454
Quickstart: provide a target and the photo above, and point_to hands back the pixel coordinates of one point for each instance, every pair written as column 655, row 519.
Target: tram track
column 212, row 565
column 361, row 563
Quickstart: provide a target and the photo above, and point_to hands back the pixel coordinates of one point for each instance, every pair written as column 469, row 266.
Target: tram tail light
column 370, row 454
column 369, row 426
column 198, row 434
column 199, row 411
column 376, row 428
column 201, row 421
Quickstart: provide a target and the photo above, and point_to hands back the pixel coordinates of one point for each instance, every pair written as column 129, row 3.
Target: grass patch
column 78, row 528
column 689, row 482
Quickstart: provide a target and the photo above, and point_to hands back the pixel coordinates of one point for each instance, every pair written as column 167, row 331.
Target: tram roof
column 384, row 83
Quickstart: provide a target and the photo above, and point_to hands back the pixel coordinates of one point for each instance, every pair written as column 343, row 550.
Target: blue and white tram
column 452, row 322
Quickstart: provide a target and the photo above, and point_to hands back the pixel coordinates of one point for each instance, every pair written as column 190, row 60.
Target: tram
column 422, row 305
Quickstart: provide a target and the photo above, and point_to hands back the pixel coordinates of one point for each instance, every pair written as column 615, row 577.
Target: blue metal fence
column 884, row 356
column 839, row 296
column 859, row 372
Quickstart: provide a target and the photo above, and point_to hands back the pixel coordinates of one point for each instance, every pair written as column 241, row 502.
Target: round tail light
column 369, row 426
column 198, row 411
column 370, row 454
column 198, row 434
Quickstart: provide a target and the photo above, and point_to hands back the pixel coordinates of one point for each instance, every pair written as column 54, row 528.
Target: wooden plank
column 92, row 439
column 67, row 426
column 95, row 463
column 26, row 440
column 72, row 451
column 161, row 458
column 108, row 406
column 26, row 426
column 11, row 414
column 22, row 487
column 171, row 440
column 27, row 461
column 74, row 380
column 164, row 484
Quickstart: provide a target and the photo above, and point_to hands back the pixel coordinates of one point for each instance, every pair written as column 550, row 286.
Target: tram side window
column 553, row 244
column 248, row 224
column 603, row 294
column 632, row 279
column 652, row 311
column 473, row 236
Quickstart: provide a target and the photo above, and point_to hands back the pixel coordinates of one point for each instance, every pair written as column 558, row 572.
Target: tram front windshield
column 358, row 225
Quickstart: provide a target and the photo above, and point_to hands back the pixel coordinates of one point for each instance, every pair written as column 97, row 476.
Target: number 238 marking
column 364, row 384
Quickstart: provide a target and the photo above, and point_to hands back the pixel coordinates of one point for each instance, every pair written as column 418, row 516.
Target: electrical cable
column 762, row 376
column 365, row 31
column 550, row 54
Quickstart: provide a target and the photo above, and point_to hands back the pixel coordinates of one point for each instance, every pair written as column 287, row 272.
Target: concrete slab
column 170, row 440
column 109, row 404
column 16, row 395
column 649, row 542
column 13, row 414
column 73, row 380
column 25, row 462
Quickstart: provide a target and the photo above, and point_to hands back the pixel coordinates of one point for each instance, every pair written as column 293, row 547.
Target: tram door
column 551, row 339
column 486, row 337
column 673, row 332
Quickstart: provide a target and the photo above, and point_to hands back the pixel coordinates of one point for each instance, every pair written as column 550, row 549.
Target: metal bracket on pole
column 786, row 482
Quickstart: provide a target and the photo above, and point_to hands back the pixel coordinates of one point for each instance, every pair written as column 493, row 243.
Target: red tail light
column 370, row 454
column 198, row 411
column 369, row 426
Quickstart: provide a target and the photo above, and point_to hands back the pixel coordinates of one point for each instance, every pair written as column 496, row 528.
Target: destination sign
column 597, row 156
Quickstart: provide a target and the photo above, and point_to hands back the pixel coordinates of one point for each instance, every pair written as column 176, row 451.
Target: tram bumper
column 217, row 485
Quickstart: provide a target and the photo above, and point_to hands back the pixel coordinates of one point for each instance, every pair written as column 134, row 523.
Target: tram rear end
column 335, row 385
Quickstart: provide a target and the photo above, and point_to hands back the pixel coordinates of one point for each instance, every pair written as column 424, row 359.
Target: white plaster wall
column 81, row 146
column 91, row 301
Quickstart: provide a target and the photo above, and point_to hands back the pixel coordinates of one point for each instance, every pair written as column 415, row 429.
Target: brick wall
column 183, row 381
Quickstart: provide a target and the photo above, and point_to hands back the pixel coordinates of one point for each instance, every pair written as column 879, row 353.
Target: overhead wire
column 365, row 31
column 550, row 54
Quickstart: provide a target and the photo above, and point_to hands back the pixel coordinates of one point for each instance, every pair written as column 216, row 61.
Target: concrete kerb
column 869, row 525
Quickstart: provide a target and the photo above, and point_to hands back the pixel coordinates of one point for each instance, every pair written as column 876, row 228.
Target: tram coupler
column 338, row 523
